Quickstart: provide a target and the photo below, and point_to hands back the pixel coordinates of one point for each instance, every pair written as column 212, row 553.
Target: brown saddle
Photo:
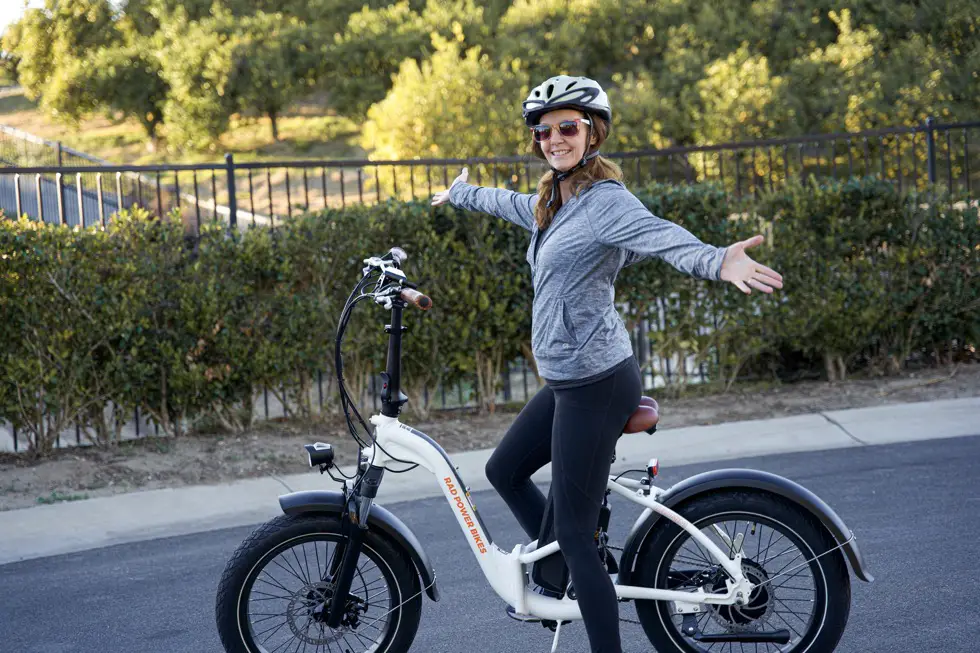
column 644, row 418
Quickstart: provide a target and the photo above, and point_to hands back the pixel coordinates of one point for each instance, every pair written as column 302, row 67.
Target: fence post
column 232, row 200
column 931, row 143
column 59, row 154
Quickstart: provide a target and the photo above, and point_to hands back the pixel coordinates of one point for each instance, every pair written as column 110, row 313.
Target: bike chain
column 617, row 548
column 626, row 619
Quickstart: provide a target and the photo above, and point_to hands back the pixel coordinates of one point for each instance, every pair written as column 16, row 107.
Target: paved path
column 77, row 526
column 912, row 505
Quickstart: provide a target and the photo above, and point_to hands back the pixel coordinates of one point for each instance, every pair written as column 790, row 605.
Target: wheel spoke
column 299, row 565
column 771, row 542
column 781, row 553
column 274, row 584
column 793, row 612
column 291, row 575
column 273, row 629
column 788, row 624
column 270, row 596
column 289, row 570
column 765, row 557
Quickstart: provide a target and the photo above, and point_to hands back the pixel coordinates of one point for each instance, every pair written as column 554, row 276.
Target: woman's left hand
column 741, row 270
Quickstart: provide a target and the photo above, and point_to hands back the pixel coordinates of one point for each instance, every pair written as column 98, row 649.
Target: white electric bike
column 732, row 557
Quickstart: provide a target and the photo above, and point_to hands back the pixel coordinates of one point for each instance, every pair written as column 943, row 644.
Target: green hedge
column 138, row 316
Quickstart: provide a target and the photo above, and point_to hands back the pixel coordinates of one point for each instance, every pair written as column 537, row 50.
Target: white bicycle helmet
column 564, row 92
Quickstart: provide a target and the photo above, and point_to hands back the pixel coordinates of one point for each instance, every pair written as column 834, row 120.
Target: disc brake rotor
column 742, row 618
column 306, row 614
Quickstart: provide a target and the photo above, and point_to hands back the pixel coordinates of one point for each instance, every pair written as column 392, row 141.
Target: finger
column 769, row 272
column 741, row 286
column 752, row 242
column 765, row 278
column 759, row 286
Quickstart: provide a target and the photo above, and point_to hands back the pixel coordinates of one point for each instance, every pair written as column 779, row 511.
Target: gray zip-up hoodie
column 576, row 331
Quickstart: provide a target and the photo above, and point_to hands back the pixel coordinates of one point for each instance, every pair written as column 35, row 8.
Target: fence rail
column 80, row 192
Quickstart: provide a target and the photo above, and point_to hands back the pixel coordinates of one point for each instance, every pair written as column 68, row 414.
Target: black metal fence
column 263, row 193
column 266, row 193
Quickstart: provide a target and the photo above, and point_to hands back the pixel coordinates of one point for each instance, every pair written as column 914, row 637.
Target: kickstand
column 554, row 644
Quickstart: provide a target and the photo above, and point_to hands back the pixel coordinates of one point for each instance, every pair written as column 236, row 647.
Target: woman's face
column 563, row 152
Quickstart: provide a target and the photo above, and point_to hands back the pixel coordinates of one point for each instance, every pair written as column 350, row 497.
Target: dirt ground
column 276, row 448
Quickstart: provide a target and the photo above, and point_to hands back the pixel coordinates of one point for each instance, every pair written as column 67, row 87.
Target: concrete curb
column 69, row 527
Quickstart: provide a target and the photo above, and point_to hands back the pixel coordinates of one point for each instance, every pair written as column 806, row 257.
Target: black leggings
column 575, row 429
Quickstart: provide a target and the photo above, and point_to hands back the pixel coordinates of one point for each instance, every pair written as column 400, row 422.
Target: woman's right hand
column 443, row 196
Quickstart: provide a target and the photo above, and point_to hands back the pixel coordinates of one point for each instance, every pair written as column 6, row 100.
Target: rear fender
column 744, row 479
column 380, row 519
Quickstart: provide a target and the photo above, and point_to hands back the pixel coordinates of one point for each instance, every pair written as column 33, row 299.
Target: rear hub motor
column 736, row 618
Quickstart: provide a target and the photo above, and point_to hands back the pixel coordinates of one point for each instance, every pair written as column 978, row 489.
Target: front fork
column 355, row 523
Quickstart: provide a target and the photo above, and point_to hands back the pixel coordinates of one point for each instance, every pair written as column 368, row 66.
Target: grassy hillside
column 306, row 132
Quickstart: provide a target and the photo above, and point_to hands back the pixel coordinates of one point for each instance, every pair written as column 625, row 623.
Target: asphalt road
column 913, row 506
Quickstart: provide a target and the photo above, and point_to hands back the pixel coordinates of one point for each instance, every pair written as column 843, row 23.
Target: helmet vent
column 551, row 90
column 570, row 84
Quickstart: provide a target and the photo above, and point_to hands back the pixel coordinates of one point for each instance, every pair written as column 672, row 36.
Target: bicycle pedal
column 525, row 618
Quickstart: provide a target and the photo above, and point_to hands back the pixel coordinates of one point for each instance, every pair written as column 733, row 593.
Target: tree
column 196, row 65
column 576, row 37
column 737, row 95
column 368, row 52
column 124, row 79
column 29, row 41
column 272, row 62
column 451, row 105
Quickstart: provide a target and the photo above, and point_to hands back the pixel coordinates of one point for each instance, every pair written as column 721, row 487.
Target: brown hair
column 595, row 170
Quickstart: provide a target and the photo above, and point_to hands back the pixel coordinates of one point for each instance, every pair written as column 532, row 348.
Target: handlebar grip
column 414, row 297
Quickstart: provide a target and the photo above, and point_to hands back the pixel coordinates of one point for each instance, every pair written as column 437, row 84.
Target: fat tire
column 830, row 619
column 403, row 622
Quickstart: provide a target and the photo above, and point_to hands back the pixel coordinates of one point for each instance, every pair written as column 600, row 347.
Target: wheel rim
column 286, row 596
column 793, row 596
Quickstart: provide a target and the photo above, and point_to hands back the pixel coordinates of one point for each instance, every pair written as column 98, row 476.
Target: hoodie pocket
column 562, row 327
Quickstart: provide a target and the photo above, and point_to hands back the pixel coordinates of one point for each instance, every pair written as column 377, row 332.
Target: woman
column 585, row 227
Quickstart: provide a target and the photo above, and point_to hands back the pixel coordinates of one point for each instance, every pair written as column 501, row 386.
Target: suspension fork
column 355, row 524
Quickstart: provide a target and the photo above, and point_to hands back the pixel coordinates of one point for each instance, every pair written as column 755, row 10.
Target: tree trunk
column 275, row 127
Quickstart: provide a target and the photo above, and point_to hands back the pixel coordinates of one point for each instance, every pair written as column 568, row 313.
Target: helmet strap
column 560, row 176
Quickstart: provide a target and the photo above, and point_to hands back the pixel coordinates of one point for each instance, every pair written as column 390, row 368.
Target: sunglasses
column 567, row 128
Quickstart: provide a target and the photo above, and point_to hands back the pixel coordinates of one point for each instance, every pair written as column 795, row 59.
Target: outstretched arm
column 506, row 204
column 624, row 222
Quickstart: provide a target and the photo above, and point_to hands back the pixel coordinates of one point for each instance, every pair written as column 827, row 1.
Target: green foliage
column 445, row 108
column 274, row 60
column 679, row 72
column 875, row 279
column 368, row 52
column 45, row 40
column 577, row 37
column 124, row 79
column 196, row 64
column 376, row 41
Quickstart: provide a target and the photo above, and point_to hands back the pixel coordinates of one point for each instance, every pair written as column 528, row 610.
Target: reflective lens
column 567, row 128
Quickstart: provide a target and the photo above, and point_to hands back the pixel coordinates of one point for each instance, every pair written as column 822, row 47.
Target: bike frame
column 396, row 444
column 506, row 571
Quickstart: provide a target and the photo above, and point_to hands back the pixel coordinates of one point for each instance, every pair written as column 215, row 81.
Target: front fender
column 380, row 519
column 726, row 479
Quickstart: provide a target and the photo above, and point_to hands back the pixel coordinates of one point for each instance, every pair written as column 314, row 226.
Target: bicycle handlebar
column 417, row 299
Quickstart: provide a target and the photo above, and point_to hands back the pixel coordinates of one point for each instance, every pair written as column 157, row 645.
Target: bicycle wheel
column 276, row 591
column 805, row 597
